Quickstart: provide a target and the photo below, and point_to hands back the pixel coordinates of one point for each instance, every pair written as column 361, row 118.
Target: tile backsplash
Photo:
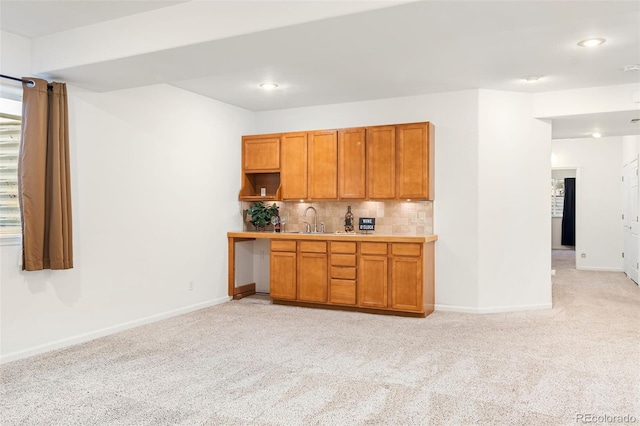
column 392, row 217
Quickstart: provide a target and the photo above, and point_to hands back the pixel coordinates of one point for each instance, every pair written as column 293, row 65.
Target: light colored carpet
column 257, row 364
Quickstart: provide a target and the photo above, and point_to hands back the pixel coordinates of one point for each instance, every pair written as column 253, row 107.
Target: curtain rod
column 30, row 83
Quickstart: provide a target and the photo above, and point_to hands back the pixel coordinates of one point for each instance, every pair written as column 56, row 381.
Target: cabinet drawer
column 373, row 248
column 343, row 260
column 406, row 249
column 343, row 273
column 343, row 292
column 277, row 245
column 342, row 247
column 312, row 246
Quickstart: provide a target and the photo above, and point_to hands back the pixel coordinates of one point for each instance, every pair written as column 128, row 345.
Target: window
column 9, row 148
column 557, row 197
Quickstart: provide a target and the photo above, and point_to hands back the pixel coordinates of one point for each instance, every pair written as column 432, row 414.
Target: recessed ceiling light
column 629, row 68
column 531, row 78
column 596, row 134
column 591, row 42
column 268, row 86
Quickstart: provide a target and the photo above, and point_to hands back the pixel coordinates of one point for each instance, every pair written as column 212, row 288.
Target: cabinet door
column 283, row 275
column 323, row 165
column 293, row 174
column 372, row 281
column 312, row 277
column 343, row 292
column 381, row 162
column 261, row 153
column 406, row 283
column 413, row 161
column 351, row 164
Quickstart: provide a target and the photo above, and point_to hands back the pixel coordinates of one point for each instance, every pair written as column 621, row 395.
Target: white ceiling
column 369, row 50
column 608, row 123
column 35, row 18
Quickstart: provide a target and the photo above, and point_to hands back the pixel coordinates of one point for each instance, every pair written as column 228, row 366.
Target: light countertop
column 330, row 236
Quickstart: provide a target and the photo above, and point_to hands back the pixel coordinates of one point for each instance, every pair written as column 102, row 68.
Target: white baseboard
column 493, row 310
column 599, row 268
column 85, row 337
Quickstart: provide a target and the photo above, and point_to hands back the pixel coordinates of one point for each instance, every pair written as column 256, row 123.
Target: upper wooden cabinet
column 414, row 151
column 260, row 168
column 366, row 163
column 323, row 165
column 309, row 169
column 381, row 163
column 352, row 164
column 261, row 153
column 294, row 166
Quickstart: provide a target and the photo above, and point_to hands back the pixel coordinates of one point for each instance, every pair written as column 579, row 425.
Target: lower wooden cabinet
column 370, row 276
column 406, row 276
column 312, row 277
column 373, row 282
column 343, row 285
column 283, row 275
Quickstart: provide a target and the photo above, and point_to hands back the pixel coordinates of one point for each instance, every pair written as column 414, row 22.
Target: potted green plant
column 261, row 214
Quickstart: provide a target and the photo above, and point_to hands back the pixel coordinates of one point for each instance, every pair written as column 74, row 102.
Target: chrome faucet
column 315, row 219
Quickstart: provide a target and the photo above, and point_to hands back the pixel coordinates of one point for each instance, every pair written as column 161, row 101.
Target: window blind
column 9, row 149
column 557, row 197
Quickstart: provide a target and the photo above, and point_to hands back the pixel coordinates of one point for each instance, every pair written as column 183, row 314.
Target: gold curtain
column 43, row 177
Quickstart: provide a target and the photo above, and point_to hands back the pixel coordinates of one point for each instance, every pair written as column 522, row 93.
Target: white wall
column 15, row 61
column 15, row 55
column 513, row 181
column 630, row 148
column 455, row 116
column 598, row 199
column 478, row 152
column 590, row 100
column 154, row 191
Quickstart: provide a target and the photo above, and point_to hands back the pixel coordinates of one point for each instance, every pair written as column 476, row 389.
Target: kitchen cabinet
column 323, row 165
column 364, row 163
column 294, row 166
column 381, row 162
column 406, row 277
column 373, row 275
column 261, row 153
column 312, row 271
column 312, row 277
column 376, row 274
column 283, row 273
column 352, row 164
column 342, row 286
column 310, row 166
column 415, row 157
column 260, row 167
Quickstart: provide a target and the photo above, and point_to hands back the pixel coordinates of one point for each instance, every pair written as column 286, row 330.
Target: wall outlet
column 190, row 285
column 422, row 217
column 414, row 217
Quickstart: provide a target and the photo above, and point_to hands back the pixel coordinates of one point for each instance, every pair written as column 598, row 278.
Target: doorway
column 558, row 191
column 630, row 218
